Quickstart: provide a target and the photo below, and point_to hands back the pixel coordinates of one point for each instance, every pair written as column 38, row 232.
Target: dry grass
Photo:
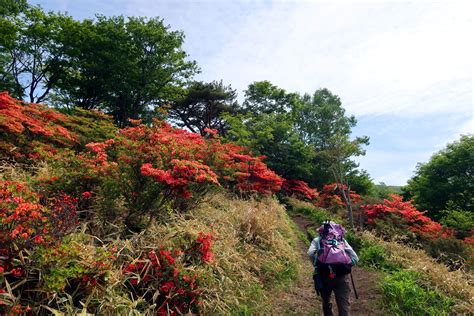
column 251, row 249
column 254, row 252
column 455, row 284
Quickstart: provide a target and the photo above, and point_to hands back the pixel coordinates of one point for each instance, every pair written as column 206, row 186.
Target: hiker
column 332, row 258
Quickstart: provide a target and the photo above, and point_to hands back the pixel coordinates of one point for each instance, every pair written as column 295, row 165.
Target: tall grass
column 254, row 251
column 457, row 285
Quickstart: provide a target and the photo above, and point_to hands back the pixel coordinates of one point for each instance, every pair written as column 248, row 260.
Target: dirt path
column 301, row 299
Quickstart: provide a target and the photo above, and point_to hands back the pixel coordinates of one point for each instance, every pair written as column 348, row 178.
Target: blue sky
column 403, row 68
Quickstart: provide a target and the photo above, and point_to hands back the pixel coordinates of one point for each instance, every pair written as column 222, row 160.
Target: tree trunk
column 347, row 199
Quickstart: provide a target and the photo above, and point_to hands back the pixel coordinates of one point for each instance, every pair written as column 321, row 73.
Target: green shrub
column 376, row 257
column 74, row 263
column 404, row 295
column 452, row 252
column 461, row 221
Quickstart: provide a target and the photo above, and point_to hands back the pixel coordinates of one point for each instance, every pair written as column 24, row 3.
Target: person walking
column 332, row 258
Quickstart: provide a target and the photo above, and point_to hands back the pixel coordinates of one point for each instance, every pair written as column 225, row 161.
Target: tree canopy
column 301, row 136
column 202, row 105
column 32, row 52
column 447, row 178
column 123, row 66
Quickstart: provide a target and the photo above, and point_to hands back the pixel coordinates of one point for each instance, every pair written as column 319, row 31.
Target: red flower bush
column 162, row 272
column 26, row 222
column 332, row 196
column 397, row 212
column 147, row 168
column 203, row 246
column 153, row 168
column 20, row 123
column 299, row 189
column 29, row 131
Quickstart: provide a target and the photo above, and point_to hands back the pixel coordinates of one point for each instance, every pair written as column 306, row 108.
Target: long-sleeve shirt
column 314, row 248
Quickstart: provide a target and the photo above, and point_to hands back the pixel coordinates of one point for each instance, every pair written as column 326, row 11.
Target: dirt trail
column 301, row 299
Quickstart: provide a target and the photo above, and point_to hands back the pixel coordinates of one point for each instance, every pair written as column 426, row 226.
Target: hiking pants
column 340, row 285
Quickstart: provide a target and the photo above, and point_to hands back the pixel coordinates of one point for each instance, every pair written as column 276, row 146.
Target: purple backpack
column 332, row 244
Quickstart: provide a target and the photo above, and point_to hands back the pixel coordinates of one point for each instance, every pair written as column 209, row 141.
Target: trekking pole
column 353, row 286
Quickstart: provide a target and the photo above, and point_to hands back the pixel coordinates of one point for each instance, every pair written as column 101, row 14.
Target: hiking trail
column 301, row 299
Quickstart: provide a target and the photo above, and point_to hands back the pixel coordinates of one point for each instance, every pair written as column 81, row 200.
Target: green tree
column 447, row 176
column 32, row 56
column 361, row 182
column 322, row 123
column 262, row 97
column 202, row 106
column 12, row 7
column 268, row 128
column 459, row 220
column 127, row 67
column 8, row 9
column 274, row 136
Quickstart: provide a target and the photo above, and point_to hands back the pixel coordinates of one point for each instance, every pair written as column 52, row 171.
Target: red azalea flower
column 86, row 195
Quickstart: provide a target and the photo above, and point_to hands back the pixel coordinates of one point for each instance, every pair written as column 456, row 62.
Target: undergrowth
column 404, row 294
column 254, row 253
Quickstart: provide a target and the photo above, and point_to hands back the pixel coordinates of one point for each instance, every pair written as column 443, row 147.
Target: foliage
column 262, row 97
column 376, row 257
column 33, row 55
column 161, row 167
column 383, row 191
column 360, row 182
column 11, row 7
column 75, row 265
column 446, row 177
column 453, row 284
column 322, row 123
column 316, row 214
column 331, row 196
column 244, row 272
column 202, row 105
column 26, row 221
column 461, row 221
column 273, row 136
column 299, row 189
column 404, row 295
column 124, row 66
column 158, row 277
column 32, row 131
column 404, row 215
column 355, row 240
column 22, row 126
column 301, row 136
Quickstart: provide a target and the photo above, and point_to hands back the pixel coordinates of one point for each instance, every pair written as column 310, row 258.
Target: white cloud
column 401, row 58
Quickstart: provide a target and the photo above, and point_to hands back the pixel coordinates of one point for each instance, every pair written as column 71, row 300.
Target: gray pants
column 340, row 285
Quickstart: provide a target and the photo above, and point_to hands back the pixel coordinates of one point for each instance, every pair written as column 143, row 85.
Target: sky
column 403, row 68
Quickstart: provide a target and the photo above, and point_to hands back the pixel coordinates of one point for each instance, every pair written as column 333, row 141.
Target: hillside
column 153, row 219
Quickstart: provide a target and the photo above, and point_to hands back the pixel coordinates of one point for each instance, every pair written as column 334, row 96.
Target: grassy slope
column 253, row 251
